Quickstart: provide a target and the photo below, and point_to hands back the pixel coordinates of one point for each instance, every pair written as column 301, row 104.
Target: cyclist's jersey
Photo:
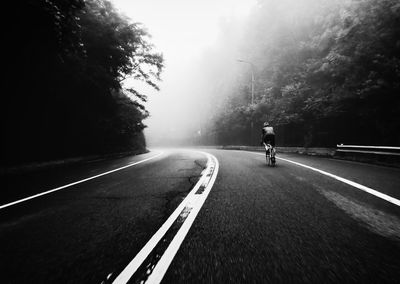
column 268, row 130
column 268, row 135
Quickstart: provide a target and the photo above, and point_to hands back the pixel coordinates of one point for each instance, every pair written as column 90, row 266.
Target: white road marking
column 349, row 182
column 192, row 200
column 77, row 182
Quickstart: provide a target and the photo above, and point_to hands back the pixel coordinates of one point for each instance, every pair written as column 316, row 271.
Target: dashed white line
column 194, row 201
column 77, row 182
column 349, row 182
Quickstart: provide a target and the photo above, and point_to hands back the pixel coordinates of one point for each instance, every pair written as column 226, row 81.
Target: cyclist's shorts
column 269, row 139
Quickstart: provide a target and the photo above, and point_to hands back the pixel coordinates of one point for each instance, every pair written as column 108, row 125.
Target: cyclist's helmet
column 266, row 124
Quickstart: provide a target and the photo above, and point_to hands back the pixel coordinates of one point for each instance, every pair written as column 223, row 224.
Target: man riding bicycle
column 268, row 137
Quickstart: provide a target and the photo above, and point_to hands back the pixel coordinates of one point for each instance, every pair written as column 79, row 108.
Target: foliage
column 327, row 71
column 64, row 94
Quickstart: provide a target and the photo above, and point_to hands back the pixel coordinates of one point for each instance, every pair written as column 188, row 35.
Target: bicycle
column 269, row 154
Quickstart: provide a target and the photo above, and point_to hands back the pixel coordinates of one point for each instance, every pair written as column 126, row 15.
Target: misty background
column 96, row 77
column 326, row 72
column 198, row 59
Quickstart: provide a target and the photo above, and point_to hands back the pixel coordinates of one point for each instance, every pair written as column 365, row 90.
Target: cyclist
column 268, row 137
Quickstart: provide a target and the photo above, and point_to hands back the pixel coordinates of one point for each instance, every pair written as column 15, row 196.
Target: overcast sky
column 182, row 30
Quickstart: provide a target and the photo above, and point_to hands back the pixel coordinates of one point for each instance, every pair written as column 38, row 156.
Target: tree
column 327, row 71
column 64, row 94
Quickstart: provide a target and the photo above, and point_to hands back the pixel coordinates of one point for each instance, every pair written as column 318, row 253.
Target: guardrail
column 299, row 150
column 376, row 150
column 383, row 155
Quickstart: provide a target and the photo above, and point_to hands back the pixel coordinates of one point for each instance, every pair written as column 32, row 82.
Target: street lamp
column 252, row 94
column 252, row 78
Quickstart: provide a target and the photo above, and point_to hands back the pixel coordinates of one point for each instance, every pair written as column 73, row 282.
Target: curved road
column 255, row 224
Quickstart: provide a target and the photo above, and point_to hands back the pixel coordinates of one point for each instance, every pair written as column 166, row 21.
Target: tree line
column 64, row 94
column 326, row 72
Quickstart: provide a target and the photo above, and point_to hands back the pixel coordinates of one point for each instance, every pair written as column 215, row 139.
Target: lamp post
column 252, row 78
column 252, row 94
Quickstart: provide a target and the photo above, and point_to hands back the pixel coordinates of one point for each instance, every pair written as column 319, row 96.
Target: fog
column 193, row 38
column 321, row 72
column 316, row 64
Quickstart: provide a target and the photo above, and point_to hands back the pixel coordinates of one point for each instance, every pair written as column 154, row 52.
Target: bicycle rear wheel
column 268, row 157
column 273, row 158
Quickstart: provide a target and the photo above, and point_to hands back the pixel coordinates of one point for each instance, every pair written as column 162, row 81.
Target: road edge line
column 364, row 188
column 76, row 182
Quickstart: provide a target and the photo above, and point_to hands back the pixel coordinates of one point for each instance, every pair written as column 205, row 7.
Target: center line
column 153, row 260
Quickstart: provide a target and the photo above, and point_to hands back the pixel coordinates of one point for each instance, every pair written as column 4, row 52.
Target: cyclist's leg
column 265, row 143
column 267, row 153
column 268, row 147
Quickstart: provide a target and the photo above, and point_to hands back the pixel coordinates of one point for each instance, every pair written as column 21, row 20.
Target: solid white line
column 165, row 261
column 127, row 273
column 77, row 182
column 349, row 182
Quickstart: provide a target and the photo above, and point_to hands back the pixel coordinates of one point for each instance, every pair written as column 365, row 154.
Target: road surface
column 185, row 216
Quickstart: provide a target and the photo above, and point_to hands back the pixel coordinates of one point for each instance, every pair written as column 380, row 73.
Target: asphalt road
column 286, row 224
